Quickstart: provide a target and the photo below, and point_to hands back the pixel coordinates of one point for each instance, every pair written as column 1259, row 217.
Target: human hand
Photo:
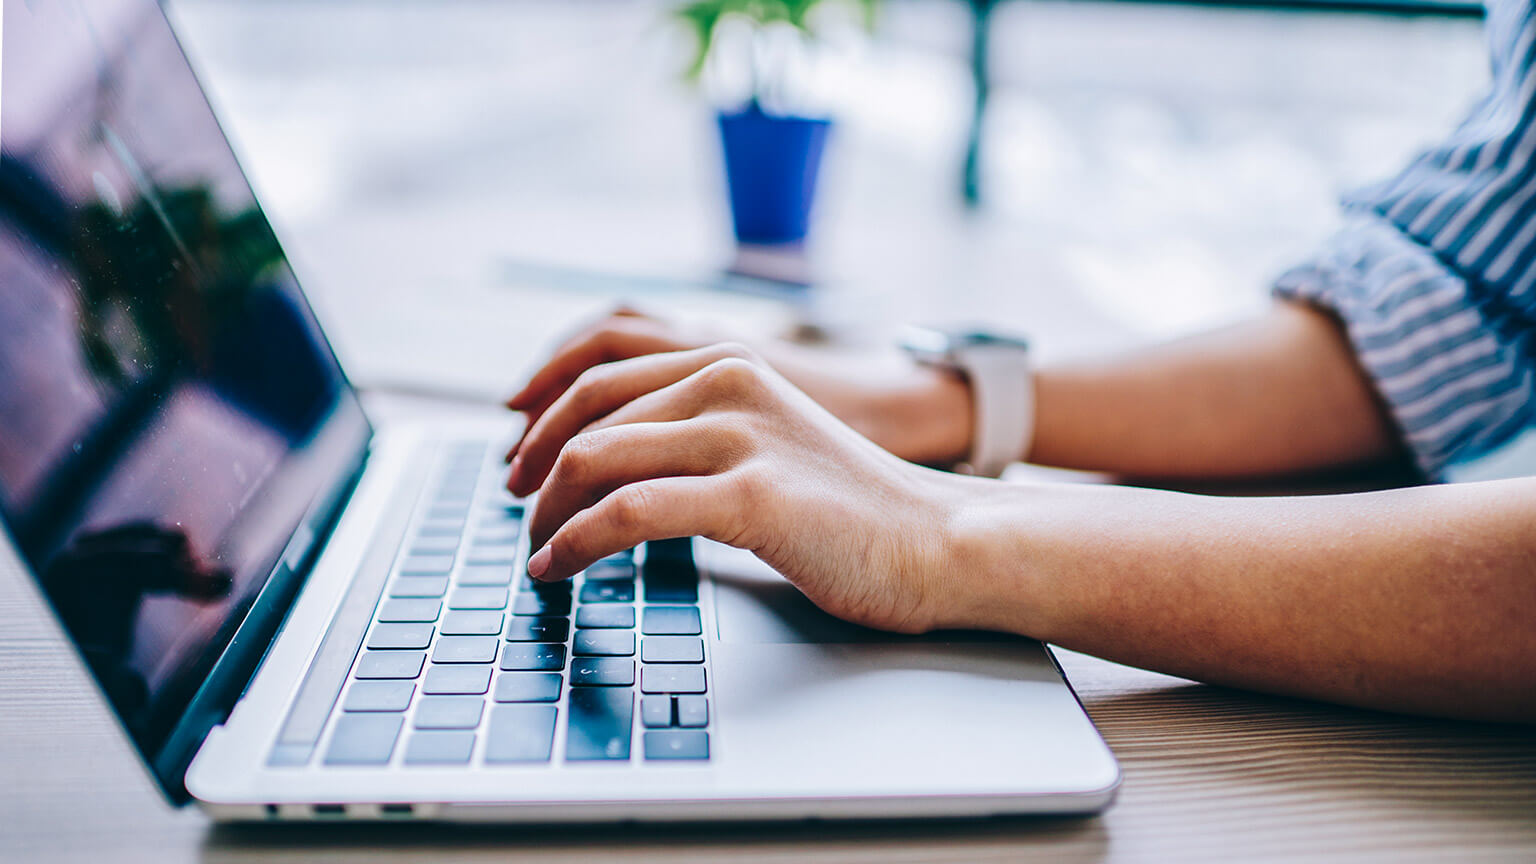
column 713, row 442
column 920, row 414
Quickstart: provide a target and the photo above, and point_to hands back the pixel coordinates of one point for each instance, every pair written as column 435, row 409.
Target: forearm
column 1419, row 600
column 1276, row 396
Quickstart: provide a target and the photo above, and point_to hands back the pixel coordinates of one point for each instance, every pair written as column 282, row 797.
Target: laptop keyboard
column 469, row 662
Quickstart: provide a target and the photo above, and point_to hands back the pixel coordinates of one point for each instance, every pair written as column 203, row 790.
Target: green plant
column 764, row 65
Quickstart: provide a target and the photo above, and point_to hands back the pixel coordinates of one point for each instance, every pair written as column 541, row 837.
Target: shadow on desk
column 1055, row 838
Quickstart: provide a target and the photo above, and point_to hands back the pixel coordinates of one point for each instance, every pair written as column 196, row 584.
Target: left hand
column 712, row 442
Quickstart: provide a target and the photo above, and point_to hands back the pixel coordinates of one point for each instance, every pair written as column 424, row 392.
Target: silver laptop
column 296, row 616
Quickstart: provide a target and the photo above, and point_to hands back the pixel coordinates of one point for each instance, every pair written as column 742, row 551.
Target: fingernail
column 538, row 565
column 516, row 472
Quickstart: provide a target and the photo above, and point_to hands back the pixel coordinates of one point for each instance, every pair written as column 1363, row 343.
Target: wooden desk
column 1210, row 775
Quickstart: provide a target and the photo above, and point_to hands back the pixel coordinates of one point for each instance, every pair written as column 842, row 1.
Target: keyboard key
column 400, row 636
column 404, row 609
column 542, row 603
column 465, row 649
column 656, row 711
column 455, row 680
column 499, row 534
column 379, row 696
column 670, row 592
column 427, row 565
column 498, row 575
column 507, row 518
column 472, row 622
column 692, row 711
column 537, row 629
column 670, row 576
column 598, row 724
column 602, row 672
column 671, row 621
column 609, row 568
column 478, row 598
column 510, row 504
column 672, row 649
column 677, row 744
column 532, row 657
column 528, row 687
column 391, row 664
column 448, row 712
column 608, row 591
column 363, row 739
column 614, row 643
column 441, row 528
column 439, row 748
column 485, row 556
column 605, row 616
column 520, row 733
column 434, row 546
column 672, row 679
column 562, row 587
column 419, row 586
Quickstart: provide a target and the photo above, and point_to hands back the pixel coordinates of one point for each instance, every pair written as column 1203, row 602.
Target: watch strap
column 1002, row 391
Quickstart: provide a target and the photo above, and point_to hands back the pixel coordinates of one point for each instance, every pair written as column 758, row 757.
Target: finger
column 594, row 464
column 650, row 510
column 602, row 390
column 616, row 337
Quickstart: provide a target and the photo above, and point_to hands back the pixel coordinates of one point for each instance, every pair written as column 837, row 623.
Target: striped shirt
column 1434, row 271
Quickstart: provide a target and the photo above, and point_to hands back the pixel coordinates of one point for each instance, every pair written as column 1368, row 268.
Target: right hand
column 712, row 442
column 920, row 414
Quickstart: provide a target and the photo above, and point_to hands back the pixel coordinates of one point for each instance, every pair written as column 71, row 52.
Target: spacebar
column 322, row 684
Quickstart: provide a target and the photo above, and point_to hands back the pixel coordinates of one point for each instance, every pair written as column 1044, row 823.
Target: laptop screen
column 169, row 409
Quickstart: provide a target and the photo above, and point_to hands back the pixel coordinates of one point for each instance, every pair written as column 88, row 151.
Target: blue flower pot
column 771, row 165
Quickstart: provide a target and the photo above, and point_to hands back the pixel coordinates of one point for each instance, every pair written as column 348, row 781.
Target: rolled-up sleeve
column 1454, row 369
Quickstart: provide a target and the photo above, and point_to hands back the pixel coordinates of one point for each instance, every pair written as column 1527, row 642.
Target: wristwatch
column 998, row 368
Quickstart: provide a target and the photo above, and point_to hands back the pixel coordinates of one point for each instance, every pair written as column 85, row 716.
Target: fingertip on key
column 538, row 565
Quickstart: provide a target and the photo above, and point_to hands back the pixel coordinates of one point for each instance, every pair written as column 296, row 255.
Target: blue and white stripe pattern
column 1434, row 273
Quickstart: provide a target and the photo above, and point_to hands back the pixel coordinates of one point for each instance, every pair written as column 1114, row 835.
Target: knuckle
column 733, row 437
column 732, row 376
column 574, row 464
column 629, row 509
column 588, row 386
column 736, row 350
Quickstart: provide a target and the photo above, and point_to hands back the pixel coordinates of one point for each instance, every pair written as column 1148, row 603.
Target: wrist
column 927, row 418
column 998, row 559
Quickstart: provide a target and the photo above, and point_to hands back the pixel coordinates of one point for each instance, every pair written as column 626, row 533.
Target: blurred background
column 460, row 181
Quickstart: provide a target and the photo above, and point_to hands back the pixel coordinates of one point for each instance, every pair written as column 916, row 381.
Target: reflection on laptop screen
column 169, row 409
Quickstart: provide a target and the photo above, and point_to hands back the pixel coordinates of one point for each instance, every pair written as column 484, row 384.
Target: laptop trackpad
column 754, row 604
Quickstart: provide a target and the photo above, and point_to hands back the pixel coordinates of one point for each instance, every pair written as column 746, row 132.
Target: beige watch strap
column 1003, row 393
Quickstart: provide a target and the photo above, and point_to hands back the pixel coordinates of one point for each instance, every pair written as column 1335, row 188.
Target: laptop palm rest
column 755, row 605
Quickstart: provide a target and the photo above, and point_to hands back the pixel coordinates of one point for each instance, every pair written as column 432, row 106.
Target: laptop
column 297, row 616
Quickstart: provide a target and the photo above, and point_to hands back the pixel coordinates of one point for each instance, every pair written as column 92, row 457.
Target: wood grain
column 1210, row 775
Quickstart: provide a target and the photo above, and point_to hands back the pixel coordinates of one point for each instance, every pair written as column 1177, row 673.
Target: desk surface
column 1210, row 775
column 1115, row 179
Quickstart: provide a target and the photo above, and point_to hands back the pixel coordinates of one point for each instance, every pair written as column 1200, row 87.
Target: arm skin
column 1277, row 396
column 1420, row 600
column 1280, row 395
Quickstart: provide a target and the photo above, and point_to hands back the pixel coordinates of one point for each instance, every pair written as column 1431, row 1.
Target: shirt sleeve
column 1456, row 375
